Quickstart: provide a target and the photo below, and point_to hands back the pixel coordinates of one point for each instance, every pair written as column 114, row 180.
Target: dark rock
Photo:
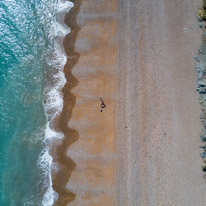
column 204, row 123
column 204, row 167
column 203, row 135
column 202, row 117
column 203, row 155
column 196, row 58
column 203, row 147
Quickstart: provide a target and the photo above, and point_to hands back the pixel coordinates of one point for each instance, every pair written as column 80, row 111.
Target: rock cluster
column 201, row 86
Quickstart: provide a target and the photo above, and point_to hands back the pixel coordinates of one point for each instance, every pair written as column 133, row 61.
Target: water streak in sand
column 65, row 164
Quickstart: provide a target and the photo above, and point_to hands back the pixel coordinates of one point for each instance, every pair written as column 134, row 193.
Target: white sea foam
column 64, row 6
column 54, row 102
column 45, row 163
column 62, row 30
column 54, row 95
column 51, row 134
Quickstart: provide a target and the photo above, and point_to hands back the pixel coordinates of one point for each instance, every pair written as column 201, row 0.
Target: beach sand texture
column 143, row 148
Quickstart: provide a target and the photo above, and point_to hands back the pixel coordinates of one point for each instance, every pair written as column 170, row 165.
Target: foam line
column 54, row 102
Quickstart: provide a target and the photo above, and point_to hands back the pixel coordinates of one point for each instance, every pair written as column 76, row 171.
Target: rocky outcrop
column 201, row 80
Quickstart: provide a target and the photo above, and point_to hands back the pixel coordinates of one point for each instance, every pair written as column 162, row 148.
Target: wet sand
column 143, row 148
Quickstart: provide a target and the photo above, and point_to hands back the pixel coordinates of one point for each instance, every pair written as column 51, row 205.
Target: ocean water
column 31, row 78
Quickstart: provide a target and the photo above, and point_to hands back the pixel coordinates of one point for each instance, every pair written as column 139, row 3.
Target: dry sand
column 142, row 149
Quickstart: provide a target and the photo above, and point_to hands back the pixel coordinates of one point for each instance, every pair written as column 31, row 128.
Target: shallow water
column 30, row 83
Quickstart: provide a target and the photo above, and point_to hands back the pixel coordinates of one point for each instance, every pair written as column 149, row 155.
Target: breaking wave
column 54, row 100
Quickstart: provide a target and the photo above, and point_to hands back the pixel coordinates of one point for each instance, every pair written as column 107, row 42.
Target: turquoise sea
column 30, row 83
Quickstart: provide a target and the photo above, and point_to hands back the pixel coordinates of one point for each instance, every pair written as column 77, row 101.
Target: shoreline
column 66, row 165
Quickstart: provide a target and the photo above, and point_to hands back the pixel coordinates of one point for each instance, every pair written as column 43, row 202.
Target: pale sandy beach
column 142, row 149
